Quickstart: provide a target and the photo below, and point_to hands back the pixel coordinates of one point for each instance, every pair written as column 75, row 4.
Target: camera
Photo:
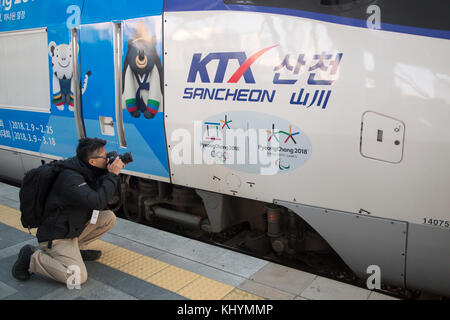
column 126, row 157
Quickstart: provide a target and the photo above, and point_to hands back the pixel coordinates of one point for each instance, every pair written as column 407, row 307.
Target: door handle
column 107, row 125
column 118, row 42
column 77, row 98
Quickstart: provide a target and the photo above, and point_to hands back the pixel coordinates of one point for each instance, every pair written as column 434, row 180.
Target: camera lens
column 126, row 157
column 111, row 156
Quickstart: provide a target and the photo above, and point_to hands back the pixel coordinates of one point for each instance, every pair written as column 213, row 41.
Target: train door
column 122, row 91
column 142, row 96
column 98, row 82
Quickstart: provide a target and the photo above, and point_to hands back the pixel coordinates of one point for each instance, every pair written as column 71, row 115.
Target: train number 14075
column 436, row 222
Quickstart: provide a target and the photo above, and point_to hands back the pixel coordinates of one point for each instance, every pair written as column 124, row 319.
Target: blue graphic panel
column 51, row 133
column 38, row 132
column 55, row 133
column 149, row 156
column 95, row 11
column 97, row 75
column 28, row 14
column 142, row 80
column 97, row 57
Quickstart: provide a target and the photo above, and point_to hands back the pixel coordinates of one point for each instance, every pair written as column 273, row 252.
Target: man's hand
column 116, row 166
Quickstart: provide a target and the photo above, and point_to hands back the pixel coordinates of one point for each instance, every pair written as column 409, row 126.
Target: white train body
column 385, row 81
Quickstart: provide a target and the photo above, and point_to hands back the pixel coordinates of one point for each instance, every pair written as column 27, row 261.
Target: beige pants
column 54, row 263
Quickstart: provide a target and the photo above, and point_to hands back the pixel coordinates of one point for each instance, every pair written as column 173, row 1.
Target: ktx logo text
column 198, row 70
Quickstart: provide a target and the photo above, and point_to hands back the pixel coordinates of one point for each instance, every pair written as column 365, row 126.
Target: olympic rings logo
column 219, row 155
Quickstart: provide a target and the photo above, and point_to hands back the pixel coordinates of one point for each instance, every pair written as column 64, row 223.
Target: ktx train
column 293, row 116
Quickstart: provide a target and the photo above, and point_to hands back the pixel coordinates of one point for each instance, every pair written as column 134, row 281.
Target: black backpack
column 36, row 186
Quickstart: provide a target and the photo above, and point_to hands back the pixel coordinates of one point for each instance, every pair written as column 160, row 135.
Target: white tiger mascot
column 63, row 84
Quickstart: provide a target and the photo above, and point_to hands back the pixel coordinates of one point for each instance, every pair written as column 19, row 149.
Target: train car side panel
column 40, row 122
column 318, row 85
column 124, row 55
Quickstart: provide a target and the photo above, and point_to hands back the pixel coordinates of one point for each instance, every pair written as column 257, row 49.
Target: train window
column 24, row 73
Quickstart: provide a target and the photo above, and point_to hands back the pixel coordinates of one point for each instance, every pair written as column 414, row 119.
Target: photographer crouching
column 74, row 214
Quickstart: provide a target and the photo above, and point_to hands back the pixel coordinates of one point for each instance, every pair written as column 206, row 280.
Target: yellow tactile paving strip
column 173, row 278
column 185, row 283
column 118, row 257
column 11, row 217
column 143, row 267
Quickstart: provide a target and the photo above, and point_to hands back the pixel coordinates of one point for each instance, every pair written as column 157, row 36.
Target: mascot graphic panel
column 62, row 65
column 142, row 75
column 62, row 69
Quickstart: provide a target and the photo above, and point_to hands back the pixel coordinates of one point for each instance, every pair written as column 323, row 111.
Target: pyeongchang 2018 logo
column 288, row 72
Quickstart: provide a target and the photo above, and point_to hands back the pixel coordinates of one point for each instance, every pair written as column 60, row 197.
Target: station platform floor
column 144, row 263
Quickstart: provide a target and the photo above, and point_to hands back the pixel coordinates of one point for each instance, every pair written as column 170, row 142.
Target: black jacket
column 77, row 191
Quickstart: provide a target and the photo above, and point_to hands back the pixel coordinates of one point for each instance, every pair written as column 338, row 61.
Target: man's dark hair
column 88, row 147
